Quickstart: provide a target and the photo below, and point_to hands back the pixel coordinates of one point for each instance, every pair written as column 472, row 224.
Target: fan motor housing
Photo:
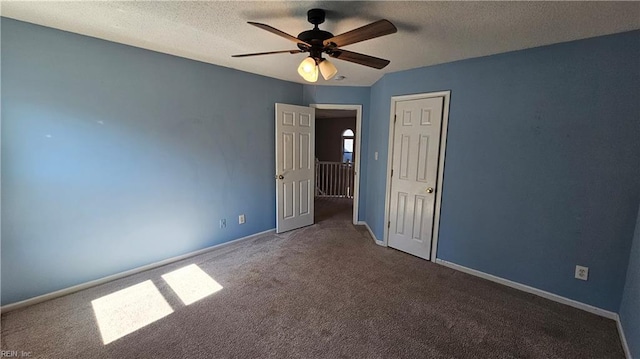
column 315, row 36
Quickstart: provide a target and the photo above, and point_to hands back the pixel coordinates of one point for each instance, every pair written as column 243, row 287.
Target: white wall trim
column 358, row 137
column 439, row 184
column 387, row 195
column 446, row 95
column 525, row 288
column 373, row 236
column 93, row 283
column 623, row 338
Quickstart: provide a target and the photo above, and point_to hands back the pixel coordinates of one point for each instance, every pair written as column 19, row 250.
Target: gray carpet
column 324, row 291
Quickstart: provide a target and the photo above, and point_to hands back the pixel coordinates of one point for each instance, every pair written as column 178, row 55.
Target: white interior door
column 295, row 166
column 416, row 143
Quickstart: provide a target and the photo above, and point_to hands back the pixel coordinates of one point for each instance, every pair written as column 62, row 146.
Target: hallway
column 333, row 208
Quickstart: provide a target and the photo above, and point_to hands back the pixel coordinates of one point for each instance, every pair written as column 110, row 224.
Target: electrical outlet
column 241, row 219
column 223, row 223
column 582, row 273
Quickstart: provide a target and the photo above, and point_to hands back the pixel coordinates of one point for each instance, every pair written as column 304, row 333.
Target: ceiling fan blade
column 269, row 53
column 362, row 59
column 273, row 30
column 373, row 30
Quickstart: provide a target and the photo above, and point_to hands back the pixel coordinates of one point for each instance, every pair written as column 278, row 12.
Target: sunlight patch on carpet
column 191, row 283
column 128, row 310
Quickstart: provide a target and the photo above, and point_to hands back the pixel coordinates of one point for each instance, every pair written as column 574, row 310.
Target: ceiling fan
column 317, row 41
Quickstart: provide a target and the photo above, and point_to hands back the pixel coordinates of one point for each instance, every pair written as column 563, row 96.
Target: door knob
column 429, row 189
column 280, row 177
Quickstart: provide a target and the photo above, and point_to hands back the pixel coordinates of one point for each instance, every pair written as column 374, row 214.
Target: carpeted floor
column 324, row 291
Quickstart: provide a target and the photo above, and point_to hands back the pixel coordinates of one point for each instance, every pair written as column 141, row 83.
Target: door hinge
column 389, row 224
column 395, row 118
column 392, row 173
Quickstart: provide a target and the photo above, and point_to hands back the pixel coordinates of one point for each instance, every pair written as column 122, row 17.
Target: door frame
column 446, row 95
column 356, row 163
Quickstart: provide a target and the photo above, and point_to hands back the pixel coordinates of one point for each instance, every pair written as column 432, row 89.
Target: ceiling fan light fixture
column 317, row 42
column 308, row 69
column 327, row 69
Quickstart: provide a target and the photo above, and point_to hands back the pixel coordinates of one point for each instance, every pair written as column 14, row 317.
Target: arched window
column 347, row 145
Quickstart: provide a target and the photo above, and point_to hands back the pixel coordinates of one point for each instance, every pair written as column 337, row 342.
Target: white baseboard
column 375, row 240
column 623, row 338
column 525, row 288
column 93, row 283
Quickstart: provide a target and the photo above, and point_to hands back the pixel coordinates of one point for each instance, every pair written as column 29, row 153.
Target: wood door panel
column 416, row 142
column 305, row 150
column 295, row 166
column 405, row 154
column 305, row 189
column 418, row 218
column 423, row 159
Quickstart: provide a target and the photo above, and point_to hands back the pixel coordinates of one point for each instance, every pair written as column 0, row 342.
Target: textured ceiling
column 428, row 32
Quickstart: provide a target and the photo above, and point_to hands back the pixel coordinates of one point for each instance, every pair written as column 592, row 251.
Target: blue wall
column 630, row 306
column 114, row 157
column 541, row 166
column 346, row 95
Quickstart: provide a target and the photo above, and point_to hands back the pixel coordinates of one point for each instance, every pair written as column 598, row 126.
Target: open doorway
column 337, row 149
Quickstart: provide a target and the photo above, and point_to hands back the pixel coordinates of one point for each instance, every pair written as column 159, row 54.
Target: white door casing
column 414, row 177
column 295, row 166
